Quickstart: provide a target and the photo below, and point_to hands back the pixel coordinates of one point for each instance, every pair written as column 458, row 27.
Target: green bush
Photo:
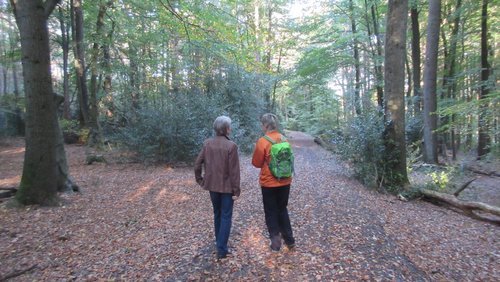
column 173, row 129
column 361, row 144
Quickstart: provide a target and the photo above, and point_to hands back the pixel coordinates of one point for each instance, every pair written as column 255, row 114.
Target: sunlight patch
column 13, row 181
column 13, row 151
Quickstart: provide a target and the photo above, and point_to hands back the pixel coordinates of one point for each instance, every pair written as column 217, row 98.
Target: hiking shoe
column 274, row 249
column 226, row 255
column 291, row 247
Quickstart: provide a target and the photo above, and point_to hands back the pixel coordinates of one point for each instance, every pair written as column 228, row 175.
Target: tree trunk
column 483, row 124
column 80, row 67
column 95, row 136
column 450, row 83
column 378, row 60
column 415, row 56
column 395, row 47
column 40, row 175
column 430, row 80
column 65, row 50
column 357, row 102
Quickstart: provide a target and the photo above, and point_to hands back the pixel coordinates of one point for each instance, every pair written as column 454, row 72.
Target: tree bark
column 65, row 50
column 395, row 47
column 450, row 83
column 484, row 140
column 40, row 175
column 415, row 56
column 357, row 100
column 80, row 67
column 463, row 205
column 430, row 80
column 95, row 136
column 378, row 62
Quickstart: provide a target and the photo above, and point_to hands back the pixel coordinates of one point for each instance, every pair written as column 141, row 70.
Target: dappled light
column 111, row 112
column 10, row 182
column 12, row 151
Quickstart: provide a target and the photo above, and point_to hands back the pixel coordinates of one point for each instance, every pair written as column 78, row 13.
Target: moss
column 30, row 194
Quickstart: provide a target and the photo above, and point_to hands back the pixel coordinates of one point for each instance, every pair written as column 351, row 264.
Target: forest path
column 134, row 222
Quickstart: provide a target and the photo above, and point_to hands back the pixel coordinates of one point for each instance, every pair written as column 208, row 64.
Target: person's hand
column 235, row 198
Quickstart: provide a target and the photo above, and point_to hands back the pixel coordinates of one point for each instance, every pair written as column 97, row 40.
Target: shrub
column 361, row 144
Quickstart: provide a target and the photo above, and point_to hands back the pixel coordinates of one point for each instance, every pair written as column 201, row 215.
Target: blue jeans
column 223, row 214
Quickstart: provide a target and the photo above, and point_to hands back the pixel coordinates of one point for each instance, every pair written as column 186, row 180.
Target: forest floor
column 133, row 222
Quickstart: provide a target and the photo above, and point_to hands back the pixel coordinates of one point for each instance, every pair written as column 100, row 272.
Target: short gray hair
column 221, row 125
column 270, row 121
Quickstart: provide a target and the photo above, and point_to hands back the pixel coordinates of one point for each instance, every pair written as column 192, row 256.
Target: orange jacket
column 262, row 156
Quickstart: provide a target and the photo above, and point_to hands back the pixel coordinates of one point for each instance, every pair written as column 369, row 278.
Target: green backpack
column 281, row 164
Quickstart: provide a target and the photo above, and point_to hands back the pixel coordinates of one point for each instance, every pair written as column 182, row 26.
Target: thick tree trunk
column 484, row 140
column 39, row 178
column 430, row 81
column 395, row 46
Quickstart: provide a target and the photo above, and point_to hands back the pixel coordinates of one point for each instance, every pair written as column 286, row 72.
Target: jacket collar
column 222, row 136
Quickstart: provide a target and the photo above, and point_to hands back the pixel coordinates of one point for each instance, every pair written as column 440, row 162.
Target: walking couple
column 220, row 162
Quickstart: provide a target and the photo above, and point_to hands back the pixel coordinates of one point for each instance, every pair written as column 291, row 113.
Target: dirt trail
column 136, row 222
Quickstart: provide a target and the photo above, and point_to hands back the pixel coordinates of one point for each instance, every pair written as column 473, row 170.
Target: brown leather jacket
column 219, row 158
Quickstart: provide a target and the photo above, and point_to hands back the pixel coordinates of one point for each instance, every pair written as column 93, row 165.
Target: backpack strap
column 283, row 139
column 269, row 139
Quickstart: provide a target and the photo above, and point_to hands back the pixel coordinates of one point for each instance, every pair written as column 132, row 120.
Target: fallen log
column 7, row 192
column 17, row 273
column 463, row 205
column 464, row 186
column 480, row 171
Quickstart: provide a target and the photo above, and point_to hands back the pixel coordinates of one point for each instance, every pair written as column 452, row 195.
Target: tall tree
column 449, row 81
column 379, row 79
column 357, row 102
column 95, row 134
column 394, row 78
column 430, row 82
column 79, row 61
column 415, row 56
column 65, row 49
column 40, row 171
column 484, row 140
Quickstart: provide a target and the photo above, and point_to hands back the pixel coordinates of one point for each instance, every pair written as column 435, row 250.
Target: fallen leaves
column 137, row 222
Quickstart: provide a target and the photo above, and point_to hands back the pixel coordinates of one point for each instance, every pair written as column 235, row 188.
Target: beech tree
column 394, row 78
column 44, row 166
column 430, row 76
column 484, row 140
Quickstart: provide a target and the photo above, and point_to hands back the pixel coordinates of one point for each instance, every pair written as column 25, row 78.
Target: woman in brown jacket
column 220, row 162
column 275, row 191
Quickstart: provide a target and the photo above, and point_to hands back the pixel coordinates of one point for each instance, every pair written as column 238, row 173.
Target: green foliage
column 174, row 128
column 440, row 179
column 11, row 115
column 69, row 126
column 363, row 147
column 170, row 135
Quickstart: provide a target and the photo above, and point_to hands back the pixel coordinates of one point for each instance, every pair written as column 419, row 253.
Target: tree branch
column 49, row 7
column 17, row 273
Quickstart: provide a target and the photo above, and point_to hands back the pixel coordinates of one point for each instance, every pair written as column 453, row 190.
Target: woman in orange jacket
column 275, row 192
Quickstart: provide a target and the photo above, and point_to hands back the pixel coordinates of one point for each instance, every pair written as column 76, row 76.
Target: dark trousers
column 277, row 220
column 223, row 214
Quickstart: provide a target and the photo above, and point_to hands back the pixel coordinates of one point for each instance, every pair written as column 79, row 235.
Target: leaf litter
column 144, row 222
